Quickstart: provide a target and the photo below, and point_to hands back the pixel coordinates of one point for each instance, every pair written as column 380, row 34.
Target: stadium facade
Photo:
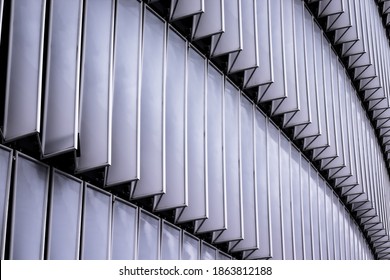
column 202, row 129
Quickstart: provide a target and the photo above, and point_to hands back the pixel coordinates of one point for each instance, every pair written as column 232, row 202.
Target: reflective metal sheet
column 64, row 217
column 30, row 191
column 152, row 129
column 24, row 68
column 96, row 230
column 61, row 112
column 126, row 89
column 124, row 230
column 96, row 86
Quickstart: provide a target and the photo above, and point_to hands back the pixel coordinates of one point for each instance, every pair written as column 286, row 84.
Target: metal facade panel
column 28, row 224
column 152, row 127
column 64, row 217
column 124, row 230
column 96, row 86
column 126, row 90
column 61, row 111
column 97, row 222
column 175, row 125
column 24, row 68
column 196, row 142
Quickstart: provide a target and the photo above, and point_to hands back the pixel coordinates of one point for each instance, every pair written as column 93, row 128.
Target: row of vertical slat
column 80, row 221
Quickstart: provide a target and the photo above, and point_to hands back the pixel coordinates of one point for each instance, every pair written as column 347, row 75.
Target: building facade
column 202, row 129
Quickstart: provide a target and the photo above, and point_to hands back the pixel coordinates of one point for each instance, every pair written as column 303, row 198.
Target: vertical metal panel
column 322, row 219
column 303, row 115
column 341, row 233
column 23, row 84
column 306, row 225
column 185, row 8
column 314, row 214
column 263, row 75
column 286, row 197
column 277, row 89
column 291, row 103
column 330, row 216
column 64, row 217
column 170, row 242
column 330, row 150
column 215, row 154
column 152, row 129
column 30, row 191
column 313, row 128
column 96, row 88
column 124, row 230
column 234, row 198
column 207, row 252
column 296, row 204
column 321, row 140
column 5, row 179
column 261, row 179
column 274, row 174
column 148, row 236
column 231, row 39
column 96, row 230
column 60, row 121
column 197, row 169
column 247, row 58
column 126, row 86
column 211, row 22
column 176, row 130
column 248, row 177
column 190, row 247
column 336, row 227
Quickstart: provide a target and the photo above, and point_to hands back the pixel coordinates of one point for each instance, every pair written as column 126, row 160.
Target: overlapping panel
column 216, row 219
column 234, row 197
column 152, row 153
column 289, row 78
column 30, row 191
column 126, row 87
column 170, row 242
column 64, row 217
column 311, row 129
column 97, row 222
column 196, row 143
column 190, row 247
column 5, row 179
column 96, row 86
column 207, row 252
column 176, row 127
column 231, row 39
column 262, row 189
column 124, row 230
column 248, row 178
column 286, row 195
column 274, row 177
column 247, row 58
column 211, row 22
column 60, row 120
column 24, row 69
column 263, row 75
column 302, row 116
column 148, row 236
column 322, row 139
column 277, row 90
column 185, row 8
